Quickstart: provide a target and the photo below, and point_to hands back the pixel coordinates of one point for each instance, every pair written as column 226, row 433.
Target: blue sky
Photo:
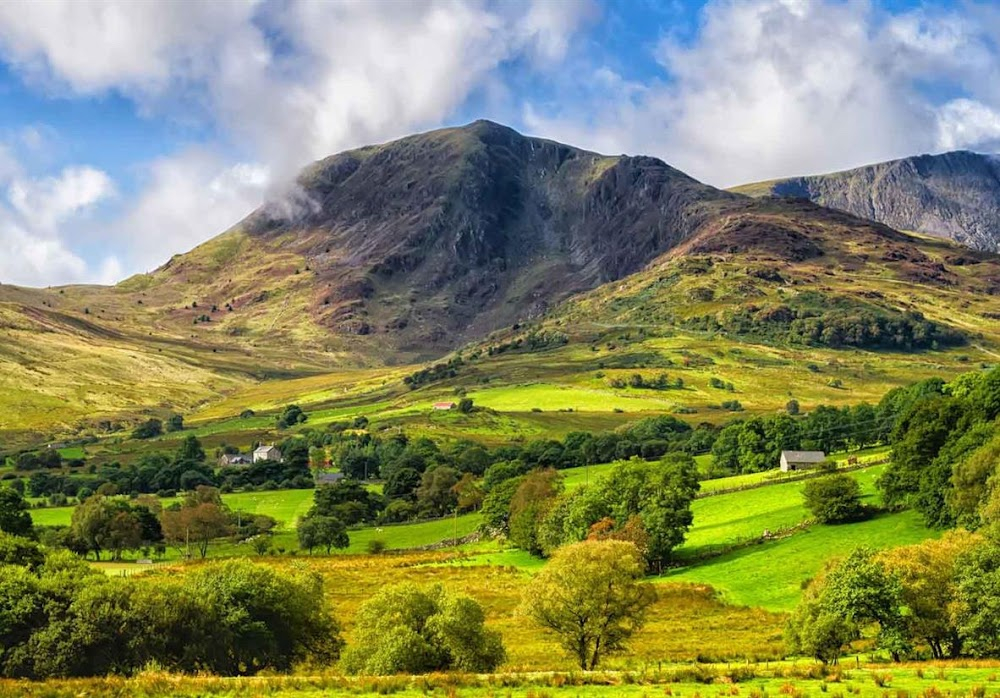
column 132, row 131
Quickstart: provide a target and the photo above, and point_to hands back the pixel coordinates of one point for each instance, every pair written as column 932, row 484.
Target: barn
column 801, row 460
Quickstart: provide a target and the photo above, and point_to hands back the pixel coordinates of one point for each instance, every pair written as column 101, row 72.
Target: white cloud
column 964, row 123
column 33, row 242
column 185, row 200
column 94, row 46
column 772, row 88
column 50, row 201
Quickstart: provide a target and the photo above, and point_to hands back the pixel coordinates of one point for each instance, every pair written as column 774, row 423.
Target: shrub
column 834, row 499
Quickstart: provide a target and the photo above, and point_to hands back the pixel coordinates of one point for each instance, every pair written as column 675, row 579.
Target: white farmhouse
column 263, row 452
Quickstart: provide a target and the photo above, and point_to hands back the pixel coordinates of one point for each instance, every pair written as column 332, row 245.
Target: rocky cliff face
column 954, row 195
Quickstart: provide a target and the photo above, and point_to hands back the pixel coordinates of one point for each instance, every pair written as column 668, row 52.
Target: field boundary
column 792, row 478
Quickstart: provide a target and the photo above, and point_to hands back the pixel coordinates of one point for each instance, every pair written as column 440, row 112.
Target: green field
column 725, row 519
column 283, row 505
column 770, row 575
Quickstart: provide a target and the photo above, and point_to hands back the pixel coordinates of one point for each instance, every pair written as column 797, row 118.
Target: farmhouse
column 228, row 459
column 444, row 405
column 263, row 452
column 801, row 460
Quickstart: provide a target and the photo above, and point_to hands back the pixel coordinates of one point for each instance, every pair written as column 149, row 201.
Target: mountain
column 954, row 195
column 434, row 240
column 399, row 253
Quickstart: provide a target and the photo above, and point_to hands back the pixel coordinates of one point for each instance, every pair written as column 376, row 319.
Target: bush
column 834, row 499
column 404, row 629
column 233, row 618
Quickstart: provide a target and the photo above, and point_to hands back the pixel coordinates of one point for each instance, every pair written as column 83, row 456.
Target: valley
column 476, row 354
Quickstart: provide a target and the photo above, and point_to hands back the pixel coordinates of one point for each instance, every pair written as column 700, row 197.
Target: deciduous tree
column 591, row 597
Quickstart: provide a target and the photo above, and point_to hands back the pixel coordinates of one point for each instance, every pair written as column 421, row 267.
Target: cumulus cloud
column 772, row 88
column 31, row 220
column 965, row 122
column 185, row 200
column 51, row 200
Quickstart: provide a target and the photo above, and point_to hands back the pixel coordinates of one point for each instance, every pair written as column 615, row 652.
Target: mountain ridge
column 955, row 195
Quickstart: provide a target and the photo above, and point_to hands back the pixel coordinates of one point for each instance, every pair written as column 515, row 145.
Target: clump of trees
column 290, row 416
column 149, row 429
column 945, row 451
column 939, row 597
column 434, row 373
column 816, row 320
column 104, row 524
column 660, row 381
column 318, row 531
column 647, row 504
column 755, row 444
column 407, row 629
column 591, row 597
column 61, row 618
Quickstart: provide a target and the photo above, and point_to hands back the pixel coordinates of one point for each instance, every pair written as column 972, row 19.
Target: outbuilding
column 801, row 460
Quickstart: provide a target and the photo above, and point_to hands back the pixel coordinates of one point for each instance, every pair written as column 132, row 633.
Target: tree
column 465, row 405
column 977, row 601
column 15, row 550
column 14, row 516
column 406, row 629
column 928, row 574
column 175, row 423
column 834, row 499
column 436, row 493
column 792, row 407
column 290, row 416
column 148, row 429
column 318, row 531
column 973, row 497
column 90, row 521
column 591, row 597
column 402, row 484
column 468, row 493
column 190, row 451
column 496, row 507
column 347, row 500
column 847, row 596
column 200, row 523
column 263, row 618
column 534, row 496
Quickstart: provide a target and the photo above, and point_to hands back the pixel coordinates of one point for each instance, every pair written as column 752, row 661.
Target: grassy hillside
column 335, row 310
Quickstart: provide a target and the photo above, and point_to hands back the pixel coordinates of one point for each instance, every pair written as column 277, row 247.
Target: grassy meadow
column 924, row 680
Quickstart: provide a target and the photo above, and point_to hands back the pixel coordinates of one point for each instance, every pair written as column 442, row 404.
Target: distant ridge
column 953, row 195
